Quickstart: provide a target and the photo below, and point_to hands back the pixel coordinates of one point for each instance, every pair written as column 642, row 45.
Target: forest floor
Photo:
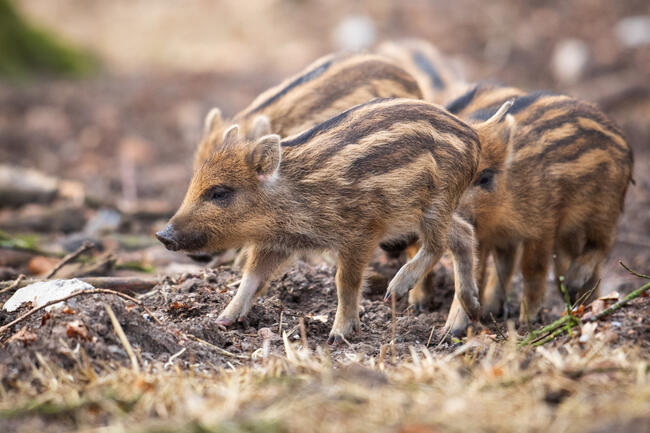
column 120, row 146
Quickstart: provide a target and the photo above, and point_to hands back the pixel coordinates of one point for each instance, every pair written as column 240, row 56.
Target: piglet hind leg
column 435, row 229
column 534, row 268
column 461, row 245
column 260, row 266
column 349, row 278
column 495, row 293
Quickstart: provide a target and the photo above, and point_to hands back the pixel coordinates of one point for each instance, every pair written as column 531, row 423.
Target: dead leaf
column 178, row 305
column 579, row 312
column 76, row 329
column 23, row 335
column 613, row 296
column 597, row 306
column 68, row 310
column 45, row 318
column 40, row 265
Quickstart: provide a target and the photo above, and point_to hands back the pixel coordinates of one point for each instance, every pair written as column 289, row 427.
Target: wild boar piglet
column 551, row 184
column 373, row 172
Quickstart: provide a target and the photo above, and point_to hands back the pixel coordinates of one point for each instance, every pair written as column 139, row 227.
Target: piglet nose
column 168, row 238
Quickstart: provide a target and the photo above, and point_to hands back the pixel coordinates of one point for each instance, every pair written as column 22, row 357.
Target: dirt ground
column 127, row 136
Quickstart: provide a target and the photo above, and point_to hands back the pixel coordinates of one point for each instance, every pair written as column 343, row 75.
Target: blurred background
column 105, row 99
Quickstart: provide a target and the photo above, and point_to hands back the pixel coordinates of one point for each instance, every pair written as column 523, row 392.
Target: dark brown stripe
column 382, row 118
column 586, row 140
column 326, row 125
column 424, row 64
column 304, row 78
column 572, row 117
column 347, row 81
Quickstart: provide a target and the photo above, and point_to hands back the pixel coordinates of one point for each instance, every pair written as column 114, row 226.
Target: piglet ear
column 212, row 121
column 265, row 156
column 231, row 135
column 261, row 127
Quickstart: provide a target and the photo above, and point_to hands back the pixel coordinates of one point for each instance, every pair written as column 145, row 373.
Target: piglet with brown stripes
column 551, row 183
column 375, row 171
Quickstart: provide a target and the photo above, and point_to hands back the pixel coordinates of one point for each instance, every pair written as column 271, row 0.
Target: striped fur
column 323, row 89
column 375, row 171
column 552, row 181
column 439, row 80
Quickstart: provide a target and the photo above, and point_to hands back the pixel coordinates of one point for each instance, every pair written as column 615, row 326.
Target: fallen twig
column 217, row 348
column 645, row 277
column 70, row 257
column 14, row 284
column 433, row 326
column 496, row 325
column 122, row 336
column 170, row 362
column 4, row 328
column 393, row 309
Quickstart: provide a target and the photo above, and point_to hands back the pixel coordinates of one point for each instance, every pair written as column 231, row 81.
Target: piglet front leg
column 260, row 267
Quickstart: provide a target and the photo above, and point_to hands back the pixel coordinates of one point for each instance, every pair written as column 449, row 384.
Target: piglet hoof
column 338, row 334
column 471, row 306
column 225, row 321
column 388, row 297
column 336, row 339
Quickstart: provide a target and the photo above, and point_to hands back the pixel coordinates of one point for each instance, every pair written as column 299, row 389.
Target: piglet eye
column 485, row 179
column 219, row 194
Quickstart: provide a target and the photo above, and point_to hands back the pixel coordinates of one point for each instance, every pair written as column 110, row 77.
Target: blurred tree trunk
column 27, row 51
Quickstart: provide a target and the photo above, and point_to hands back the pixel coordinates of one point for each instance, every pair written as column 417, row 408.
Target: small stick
column 3, row 328
column 433, row 326
column 173, row 357
column 70, row 257
column 496, row 325
column 393, row 309
column 280, row 325
column 217, row 348
column 303, row 332
column 586, row 295
column 122, row 336
column 13, row 285
column 233, row 284
column 382, row 354
column 645, row 277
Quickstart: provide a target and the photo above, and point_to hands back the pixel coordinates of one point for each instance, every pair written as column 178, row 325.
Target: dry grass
column 482, row 386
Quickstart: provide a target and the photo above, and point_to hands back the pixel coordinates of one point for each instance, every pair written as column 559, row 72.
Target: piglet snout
column 168, row 238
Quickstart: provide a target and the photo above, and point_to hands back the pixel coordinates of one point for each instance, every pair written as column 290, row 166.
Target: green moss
column 27, row 51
